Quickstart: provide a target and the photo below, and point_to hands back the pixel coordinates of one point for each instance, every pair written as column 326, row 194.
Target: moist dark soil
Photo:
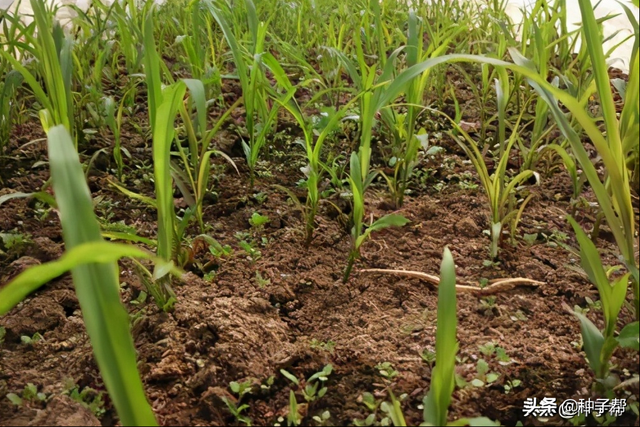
column 242, row 318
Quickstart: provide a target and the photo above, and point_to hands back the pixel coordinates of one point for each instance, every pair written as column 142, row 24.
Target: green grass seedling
column 358, row 233
column 598, row 345
column 257, row 92
column 407, row 142
column 92, row 262
column 436, row 402
column 53, row 50
column 498, row 188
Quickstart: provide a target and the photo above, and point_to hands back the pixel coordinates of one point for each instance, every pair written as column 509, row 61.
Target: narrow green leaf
column 40, row 195
column 290, row 376
column 163, row 135
column 98, row 252
column 593, row 341
column 105, row 318
column 390, row 220
column 197, row 94
column 437, row 401
column 592, row 265
column 394, row 409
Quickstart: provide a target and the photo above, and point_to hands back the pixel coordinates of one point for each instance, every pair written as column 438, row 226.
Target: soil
column 249, row 318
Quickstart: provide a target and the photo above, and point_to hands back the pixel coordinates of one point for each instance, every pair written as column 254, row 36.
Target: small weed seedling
column 258, row 221
column 370, row 402
column 217, row 249
column 266, row 384
column 241, row 389
column 387, row 371
column 392, row 411
column 261, row 281
column 31, row 340
column 488, row 305
column 511, row 384
column 429, row 356
column 322, row 419
column 88, row 397
column 29, row 394
column 141, row 299
column 234, row 406
column 9, row 241
column 253, row 253
column 490, row 349
column 484, row 377
column 310, row 390
column 260, row 197
column 248, row 245
column 327, row 346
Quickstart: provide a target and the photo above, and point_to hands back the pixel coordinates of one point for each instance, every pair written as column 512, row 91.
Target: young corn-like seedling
column 114, row 121
column 313, row 148
column 436, row 402
column 129, row 19
column 374, row 95
column 542, row 31
column 92, row 262
column 196, row 170
column 375, row 30
column 438, row 398
column 407, row 142
column 546, row 40
column 257, row 92
column 293, row 416
column 498, row 189
column 630, row 116
column 598, row 345
column 194, row 43
column 12, row 81
column 53, row 51
column 358, row 234
column 376, row 91
column 163, row 105
column 94, row 48
column 615, row 147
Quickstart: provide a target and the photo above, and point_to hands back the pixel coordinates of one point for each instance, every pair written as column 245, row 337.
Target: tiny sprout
column 386, row 370
column 258, row 220
column 323, row 418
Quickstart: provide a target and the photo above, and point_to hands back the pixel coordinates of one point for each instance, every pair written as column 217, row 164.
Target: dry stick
column 627, row 383
column 497, row 285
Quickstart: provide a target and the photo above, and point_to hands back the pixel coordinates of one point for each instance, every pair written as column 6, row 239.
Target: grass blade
column 437, row 400
column 105, row 318
column 98, row 252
